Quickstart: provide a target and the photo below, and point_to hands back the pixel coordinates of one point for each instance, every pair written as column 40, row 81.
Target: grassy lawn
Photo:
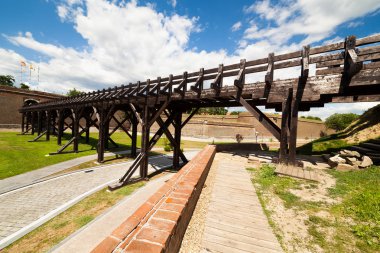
column 349, row 223
column 57, row 229
column 16, row 153
column 324, row 145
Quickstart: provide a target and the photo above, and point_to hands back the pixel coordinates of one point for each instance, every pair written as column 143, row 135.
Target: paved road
column 23, row 207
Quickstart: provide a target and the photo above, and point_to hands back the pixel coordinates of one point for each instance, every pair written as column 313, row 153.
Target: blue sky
column 91, row 44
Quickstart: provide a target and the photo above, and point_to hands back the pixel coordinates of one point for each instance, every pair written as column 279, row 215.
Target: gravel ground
column 192, row 241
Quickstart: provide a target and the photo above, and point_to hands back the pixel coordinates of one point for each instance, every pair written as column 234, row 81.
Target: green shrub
column 339, row 121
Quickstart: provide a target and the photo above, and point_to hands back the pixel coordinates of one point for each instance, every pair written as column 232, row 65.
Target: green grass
column 355, row 220
column 43, row 238
column 360, row 193
column 18, row 156
column 324, row 145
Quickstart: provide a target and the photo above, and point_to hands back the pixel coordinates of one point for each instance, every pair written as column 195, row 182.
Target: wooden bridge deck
column 235, row 221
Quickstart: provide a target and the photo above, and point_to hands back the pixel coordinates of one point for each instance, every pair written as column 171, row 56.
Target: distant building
column 12, row 99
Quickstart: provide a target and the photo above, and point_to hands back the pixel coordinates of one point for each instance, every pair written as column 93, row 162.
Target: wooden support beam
column 22, row 122
column 285, row 123
column 198, row 86
column 351, row 63
column 295, row 106
column 158, row 112
column 39, row 122
column 182, row 87
column 134, row 136
column 262, row 118
column 48, row 124
column 240, row 79
column 145, row 142
column 136, row 113
column 190, row 116
column 61, row 120
column 171, row 139
column 177, row 139
column 217, row 83
column 168, row 88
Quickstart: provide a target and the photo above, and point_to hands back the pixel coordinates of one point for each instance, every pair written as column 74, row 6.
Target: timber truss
column 347, row 71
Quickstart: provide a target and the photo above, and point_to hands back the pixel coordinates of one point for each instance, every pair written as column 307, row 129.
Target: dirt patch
column 372, row 132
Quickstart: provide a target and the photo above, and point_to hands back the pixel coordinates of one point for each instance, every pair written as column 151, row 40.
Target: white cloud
column 127, row 42
column 316, row 20
column 355, row 24
column 173, row 3
column 236, row 26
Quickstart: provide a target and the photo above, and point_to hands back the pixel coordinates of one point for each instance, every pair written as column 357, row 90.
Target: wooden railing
column 329, row 60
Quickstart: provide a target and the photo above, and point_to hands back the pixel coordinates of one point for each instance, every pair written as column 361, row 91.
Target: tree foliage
column 7, row 80
column 311, row 117
column 73, row 92
column 339, row 121
column 212, row 111
column 24, row 86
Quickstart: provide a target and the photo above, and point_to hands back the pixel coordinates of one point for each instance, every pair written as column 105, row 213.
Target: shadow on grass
column 336, row 142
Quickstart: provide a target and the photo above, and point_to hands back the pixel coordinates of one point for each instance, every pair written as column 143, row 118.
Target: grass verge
column 57, row 229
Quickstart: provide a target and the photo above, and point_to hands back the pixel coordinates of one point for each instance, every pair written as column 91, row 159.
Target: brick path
column 21, row 207
column 235, row 221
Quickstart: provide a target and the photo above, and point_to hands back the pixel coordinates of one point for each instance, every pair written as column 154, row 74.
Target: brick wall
column 12, row 99
column 160, row 223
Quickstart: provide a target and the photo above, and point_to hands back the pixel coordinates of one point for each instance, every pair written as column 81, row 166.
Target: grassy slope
column 364, row 125
column 357, row 216
column 17, row 155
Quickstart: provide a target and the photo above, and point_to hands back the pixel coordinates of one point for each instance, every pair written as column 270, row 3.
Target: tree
column 7, row 80
column 73, row 92
column 234, row 113
column 339, row 121
column 24, row 86
column 213, row 111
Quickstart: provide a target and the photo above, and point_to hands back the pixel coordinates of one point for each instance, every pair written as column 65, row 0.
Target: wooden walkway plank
column 235, row 221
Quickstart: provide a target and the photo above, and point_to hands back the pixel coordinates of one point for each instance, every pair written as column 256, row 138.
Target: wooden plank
column 262, row 118
column 265, row 243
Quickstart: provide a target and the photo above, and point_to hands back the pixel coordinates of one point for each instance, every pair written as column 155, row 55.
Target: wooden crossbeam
column 189, row 117
column 171, row 139
column 262, row 118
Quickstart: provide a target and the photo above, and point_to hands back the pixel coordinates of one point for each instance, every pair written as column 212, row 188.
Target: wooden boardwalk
column 297, row 172
column 235, row 220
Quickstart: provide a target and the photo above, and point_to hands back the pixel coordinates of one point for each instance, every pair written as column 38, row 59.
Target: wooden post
column 134, row 135
column 22, row 122
column 48, row 123
column 145, row 143
column 106, row 134
column 76, row 118
column 177, row 138
column 88, row 119
column 61, row 120
column 286, row 109
column 39, row 123
column 101, row 139
column 295, row 105
column 33, row 122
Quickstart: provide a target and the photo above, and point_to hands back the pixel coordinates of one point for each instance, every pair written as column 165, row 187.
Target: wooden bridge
column 348, row 71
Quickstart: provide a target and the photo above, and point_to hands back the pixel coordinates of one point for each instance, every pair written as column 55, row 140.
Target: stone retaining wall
column 160, row 223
